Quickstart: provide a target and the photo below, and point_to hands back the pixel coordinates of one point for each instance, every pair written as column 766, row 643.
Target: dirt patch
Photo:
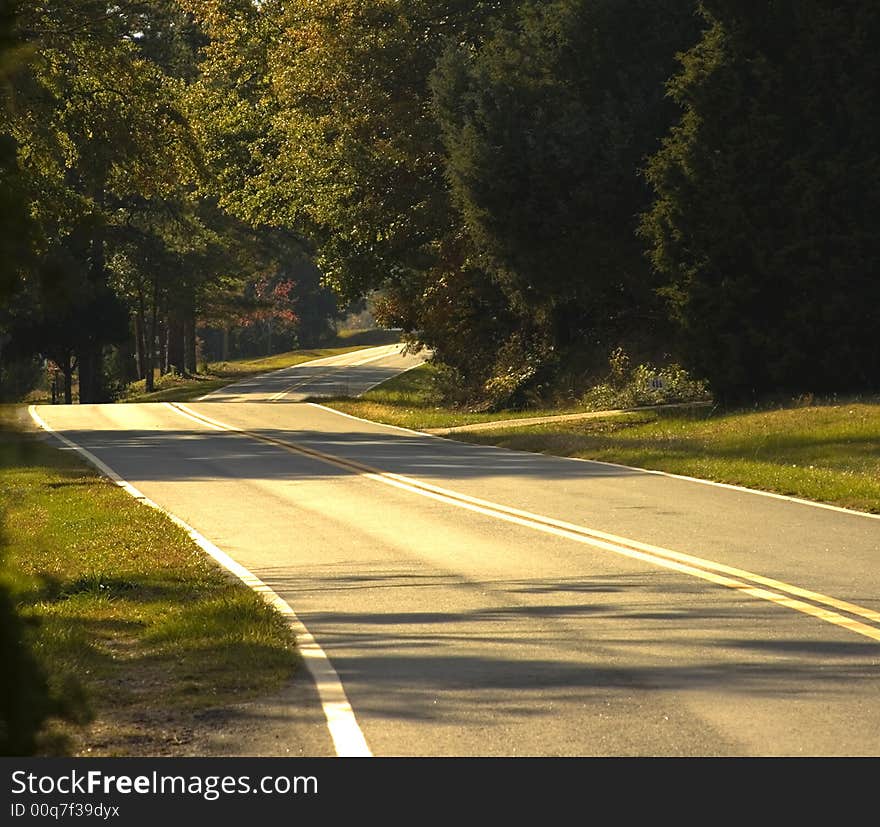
column 290, row 723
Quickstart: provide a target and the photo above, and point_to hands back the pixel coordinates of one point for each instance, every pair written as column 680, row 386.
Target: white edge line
column 731, row 486
column 384, row 425
column 451, row 437
column 348, row 739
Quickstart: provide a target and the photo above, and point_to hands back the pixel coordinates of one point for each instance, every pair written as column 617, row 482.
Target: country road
column 347, row 374
column 480, row 601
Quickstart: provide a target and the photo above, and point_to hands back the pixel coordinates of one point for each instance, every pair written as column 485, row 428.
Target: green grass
column 133, row 622
column 827, row 453
column 411, row 400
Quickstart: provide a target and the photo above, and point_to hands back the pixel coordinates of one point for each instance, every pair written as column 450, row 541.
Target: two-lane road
column 346, row 374
column 478, row 601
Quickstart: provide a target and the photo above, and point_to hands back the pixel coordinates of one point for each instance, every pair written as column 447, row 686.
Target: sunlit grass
column 130, row 615
column 828, row 453
column 411, row 400
column 825, row 452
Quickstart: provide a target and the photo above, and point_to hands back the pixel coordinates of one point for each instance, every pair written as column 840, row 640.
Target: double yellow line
column 823, row 607
column 330, row 371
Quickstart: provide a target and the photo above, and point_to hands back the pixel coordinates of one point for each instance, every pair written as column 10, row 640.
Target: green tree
column 25, row 700
column 546, row 127
column 97, row 125
column 764, row 223
column 16, row 228
column 316, row 117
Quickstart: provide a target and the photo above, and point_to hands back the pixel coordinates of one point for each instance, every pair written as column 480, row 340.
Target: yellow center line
column 718, row 573
column 299, row 384
column 326, row 373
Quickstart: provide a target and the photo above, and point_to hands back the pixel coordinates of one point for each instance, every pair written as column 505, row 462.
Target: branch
column 115, row 11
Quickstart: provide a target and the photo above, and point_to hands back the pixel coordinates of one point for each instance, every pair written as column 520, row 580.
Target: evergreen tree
column 546, row 128
column 767, row 192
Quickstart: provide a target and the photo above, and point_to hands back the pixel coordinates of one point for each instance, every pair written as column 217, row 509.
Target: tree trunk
column 150, row 361
column 224, row 356
column 190, row 356
column 174, row 349
column 89, row 359
column 162, row 344
column 68, row 383
column 139, row 345
column 67, row 367
column 127, row 361
column 85, row 376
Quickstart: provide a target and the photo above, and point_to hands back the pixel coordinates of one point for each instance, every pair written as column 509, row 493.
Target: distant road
column 348, row 374
column 480, row 601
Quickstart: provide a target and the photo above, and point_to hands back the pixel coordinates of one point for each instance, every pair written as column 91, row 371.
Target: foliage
column 545, row 126
column 764, row 224
column 460, row 315
column 98, row 131
column 127, row 244
column 477, row 165
column 24, row 695
column 17, row 228
column 644, row 384
column 316, row 116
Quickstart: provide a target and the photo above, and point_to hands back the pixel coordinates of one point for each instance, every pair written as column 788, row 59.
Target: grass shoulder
column 826, row 453
column 823, row 451
column 136, row 630
column 411, row 400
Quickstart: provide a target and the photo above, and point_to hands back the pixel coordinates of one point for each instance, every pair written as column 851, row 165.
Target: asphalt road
column 479, row 601
column 348, row 374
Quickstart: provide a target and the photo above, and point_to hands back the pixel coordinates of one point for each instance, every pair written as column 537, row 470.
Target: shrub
column 645, row 384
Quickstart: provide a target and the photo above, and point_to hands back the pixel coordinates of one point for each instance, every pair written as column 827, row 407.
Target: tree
column 67, row 316
column 545, row 128
column 763, row 225
column 25, row 700
column 16, row 229
column 97, row 126
column 316, row 117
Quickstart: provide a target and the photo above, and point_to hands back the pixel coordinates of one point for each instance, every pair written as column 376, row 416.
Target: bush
column 764, row 224
column 645, row 384
column 18, row 377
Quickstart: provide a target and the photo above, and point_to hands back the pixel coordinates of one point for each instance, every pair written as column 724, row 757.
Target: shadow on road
column 191, row 455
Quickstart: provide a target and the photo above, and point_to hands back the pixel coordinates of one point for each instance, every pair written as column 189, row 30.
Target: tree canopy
column 767, row 190
column 545, row 127
column 523, row 187
column 120, row 242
